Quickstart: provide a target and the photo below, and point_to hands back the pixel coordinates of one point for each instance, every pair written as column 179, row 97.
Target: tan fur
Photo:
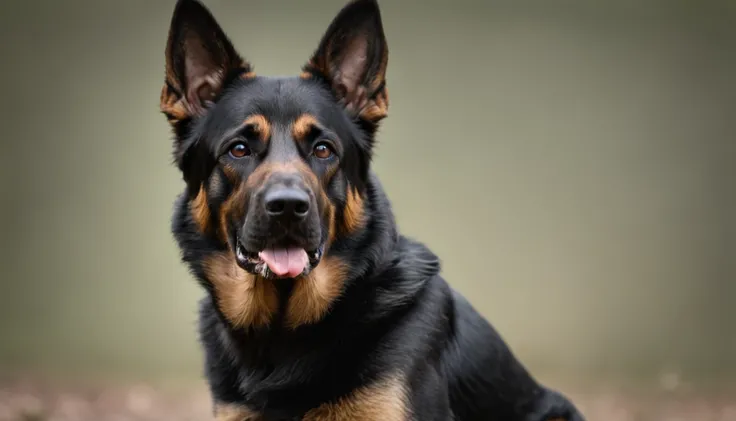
column 174, row 109
column 233, row 205
column 248, row 300
column 201, row 210
column 382, row 401
column 265, row 170
column 353, row 216
column 376, row 109
column 314, row 294
column 331, row 233
column 230, row 412
column 244, row 299
column 302, row 126
column 231, row 173
column 260, row 125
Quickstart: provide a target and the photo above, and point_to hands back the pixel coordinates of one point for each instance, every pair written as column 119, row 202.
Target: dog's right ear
column 200, row 61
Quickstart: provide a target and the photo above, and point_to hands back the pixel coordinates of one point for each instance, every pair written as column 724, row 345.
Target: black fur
column 396, row 312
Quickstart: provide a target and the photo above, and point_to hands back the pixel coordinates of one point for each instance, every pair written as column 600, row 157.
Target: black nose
column 286, row 202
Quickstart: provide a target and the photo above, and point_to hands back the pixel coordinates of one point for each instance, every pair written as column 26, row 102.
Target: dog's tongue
column 288, row 263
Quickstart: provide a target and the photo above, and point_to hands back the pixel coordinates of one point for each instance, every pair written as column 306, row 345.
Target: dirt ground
column 23, row 400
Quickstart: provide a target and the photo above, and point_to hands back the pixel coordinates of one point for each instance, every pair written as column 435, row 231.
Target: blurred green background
column 572, row 162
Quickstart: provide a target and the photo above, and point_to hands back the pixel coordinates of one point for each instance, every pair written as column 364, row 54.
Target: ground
column 26, row 400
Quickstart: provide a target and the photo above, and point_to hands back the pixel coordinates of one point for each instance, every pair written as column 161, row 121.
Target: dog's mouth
column 278, row 262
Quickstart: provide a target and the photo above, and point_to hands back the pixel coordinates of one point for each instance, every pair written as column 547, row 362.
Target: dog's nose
column 286, row 202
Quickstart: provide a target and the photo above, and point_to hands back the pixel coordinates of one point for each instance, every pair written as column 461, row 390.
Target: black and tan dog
column 316, row 307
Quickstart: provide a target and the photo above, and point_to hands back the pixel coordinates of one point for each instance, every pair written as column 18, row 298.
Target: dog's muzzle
column 281, row 234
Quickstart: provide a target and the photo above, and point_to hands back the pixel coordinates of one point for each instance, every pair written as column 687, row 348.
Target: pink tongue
column 288, row 263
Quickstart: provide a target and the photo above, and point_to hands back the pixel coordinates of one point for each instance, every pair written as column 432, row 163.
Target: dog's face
column 275, row 167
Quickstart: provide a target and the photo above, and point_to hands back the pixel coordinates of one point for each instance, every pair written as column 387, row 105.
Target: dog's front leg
column 384, row 400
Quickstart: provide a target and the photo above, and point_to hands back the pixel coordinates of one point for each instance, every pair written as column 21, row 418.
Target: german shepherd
column 317, row 308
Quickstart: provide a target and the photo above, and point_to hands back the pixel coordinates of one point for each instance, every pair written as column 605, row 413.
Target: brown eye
column 322, row 151
column 239, row 150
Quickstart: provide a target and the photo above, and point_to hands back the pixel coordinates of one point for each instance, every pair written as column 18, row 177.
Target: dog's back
column 486, row 379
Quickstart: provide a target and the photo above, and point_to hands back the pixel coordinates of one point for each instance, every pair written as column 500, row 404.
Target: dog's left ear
column 200, row 60
column 352, row 57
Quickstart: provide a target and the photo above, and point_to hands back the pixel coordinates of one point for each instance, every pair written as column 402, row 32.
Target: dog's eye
column 239, row 150
column 322, row 151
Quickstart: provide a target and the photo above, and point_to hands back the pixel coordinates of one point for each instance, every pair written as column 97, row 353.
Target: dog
column 316, row 307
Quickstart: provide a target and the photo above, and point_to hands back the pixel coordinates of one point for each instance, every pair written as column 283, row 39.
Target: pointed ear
column 352, row 57
column 200, row 60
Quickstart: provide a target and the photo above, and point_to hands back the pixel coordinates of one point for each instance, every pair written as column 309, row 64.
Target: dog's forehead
column 279, row 100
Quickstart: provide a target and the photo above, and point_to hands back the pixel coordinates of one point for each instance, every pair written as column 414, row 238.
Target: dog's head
column 275, row 167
